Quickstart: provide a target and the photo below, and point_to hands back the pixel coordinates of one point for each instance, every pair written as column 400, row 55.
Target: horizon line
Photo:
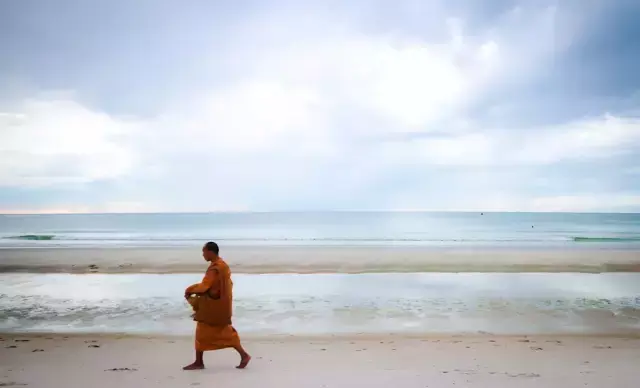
column 316, row 211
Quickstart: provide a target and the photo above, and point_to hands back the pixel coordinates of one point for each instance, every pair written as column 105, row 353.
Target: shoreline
column 306, row 260
column 482, row 362
column 345, row 304
column 286, row 338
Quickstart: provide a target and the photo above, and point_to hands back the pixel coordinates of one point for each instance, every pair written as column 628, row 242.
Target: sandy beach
column 318, row 259
column 52, row 361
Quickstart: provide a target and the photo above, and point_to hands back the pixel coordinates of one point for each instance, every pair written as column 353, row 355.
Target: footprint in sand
column 94, row 346
column 12, row 384
column 121, row 370
column 37, row 350
column 466, row 371
column 11, row 347
column 523, row 375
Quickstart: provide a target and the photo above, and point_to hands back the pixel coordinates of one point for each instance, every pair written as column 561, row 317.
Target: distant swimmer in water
column 213, row 310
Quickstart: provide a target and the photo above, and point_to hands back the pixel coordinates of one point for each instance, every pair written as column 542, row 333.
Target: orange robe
column 218, row 279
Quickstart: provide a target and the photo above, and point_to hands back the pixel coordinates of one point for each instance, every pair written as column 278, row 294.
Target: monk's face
column 206, row 254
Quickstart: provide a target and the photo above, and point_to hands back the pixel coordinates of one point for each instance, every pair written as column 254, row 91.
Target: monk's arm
column 207, row 282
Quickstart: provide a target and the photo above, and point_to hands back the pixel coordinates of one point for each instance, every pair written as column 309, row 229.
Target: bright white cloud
column 590, row 138
column 60, row 141
column 249, row 116
column 405, row 81
column 412, row 85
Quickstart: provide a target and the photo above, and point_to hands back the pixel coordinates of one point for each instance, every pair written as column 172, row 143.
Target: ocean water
column 318, row 304
column 330, row 228
column 420, row 300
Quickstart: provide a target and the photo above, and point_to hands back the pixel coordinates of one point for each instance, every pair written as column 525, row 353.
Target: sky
column 188, row 106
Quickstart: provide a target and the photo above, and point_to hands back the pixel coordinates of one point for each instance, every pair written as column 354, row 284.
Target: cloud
column 600, row 137
column 585, row 202
column 46, row 142
column 326, row 112
column 581, row 140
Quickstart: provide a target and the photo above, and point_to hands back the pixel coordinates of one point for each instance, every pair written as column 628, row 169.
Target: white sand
column 292, row 259
column 562, row 362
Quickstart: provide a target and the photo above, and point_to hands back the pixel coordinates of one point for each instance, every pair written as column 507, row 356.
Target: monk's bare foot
column 194, row 366
column 244, row 361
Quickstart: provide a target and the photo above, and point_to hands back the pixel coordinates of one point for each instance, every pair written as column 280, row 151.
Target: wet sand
column 51, row 361
column 293, row 259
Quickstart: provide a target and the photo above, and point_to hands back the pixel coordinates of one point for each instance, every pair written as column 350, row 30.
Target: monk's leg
column 198, row 363
column 244, row 356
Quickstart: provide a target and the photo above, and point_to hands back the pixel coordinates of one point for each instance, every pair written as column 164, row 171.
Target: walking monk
column 216, row 284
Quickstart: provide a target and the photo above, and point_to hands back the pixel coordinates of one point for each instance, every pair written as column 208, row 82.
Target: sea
column 326, row 228
column 329, row 302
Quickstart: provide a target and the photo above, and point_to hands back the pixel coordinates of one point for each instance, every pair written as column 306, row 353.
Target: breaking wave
column 606, row 239
column 143, row 238
column 32, row 237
